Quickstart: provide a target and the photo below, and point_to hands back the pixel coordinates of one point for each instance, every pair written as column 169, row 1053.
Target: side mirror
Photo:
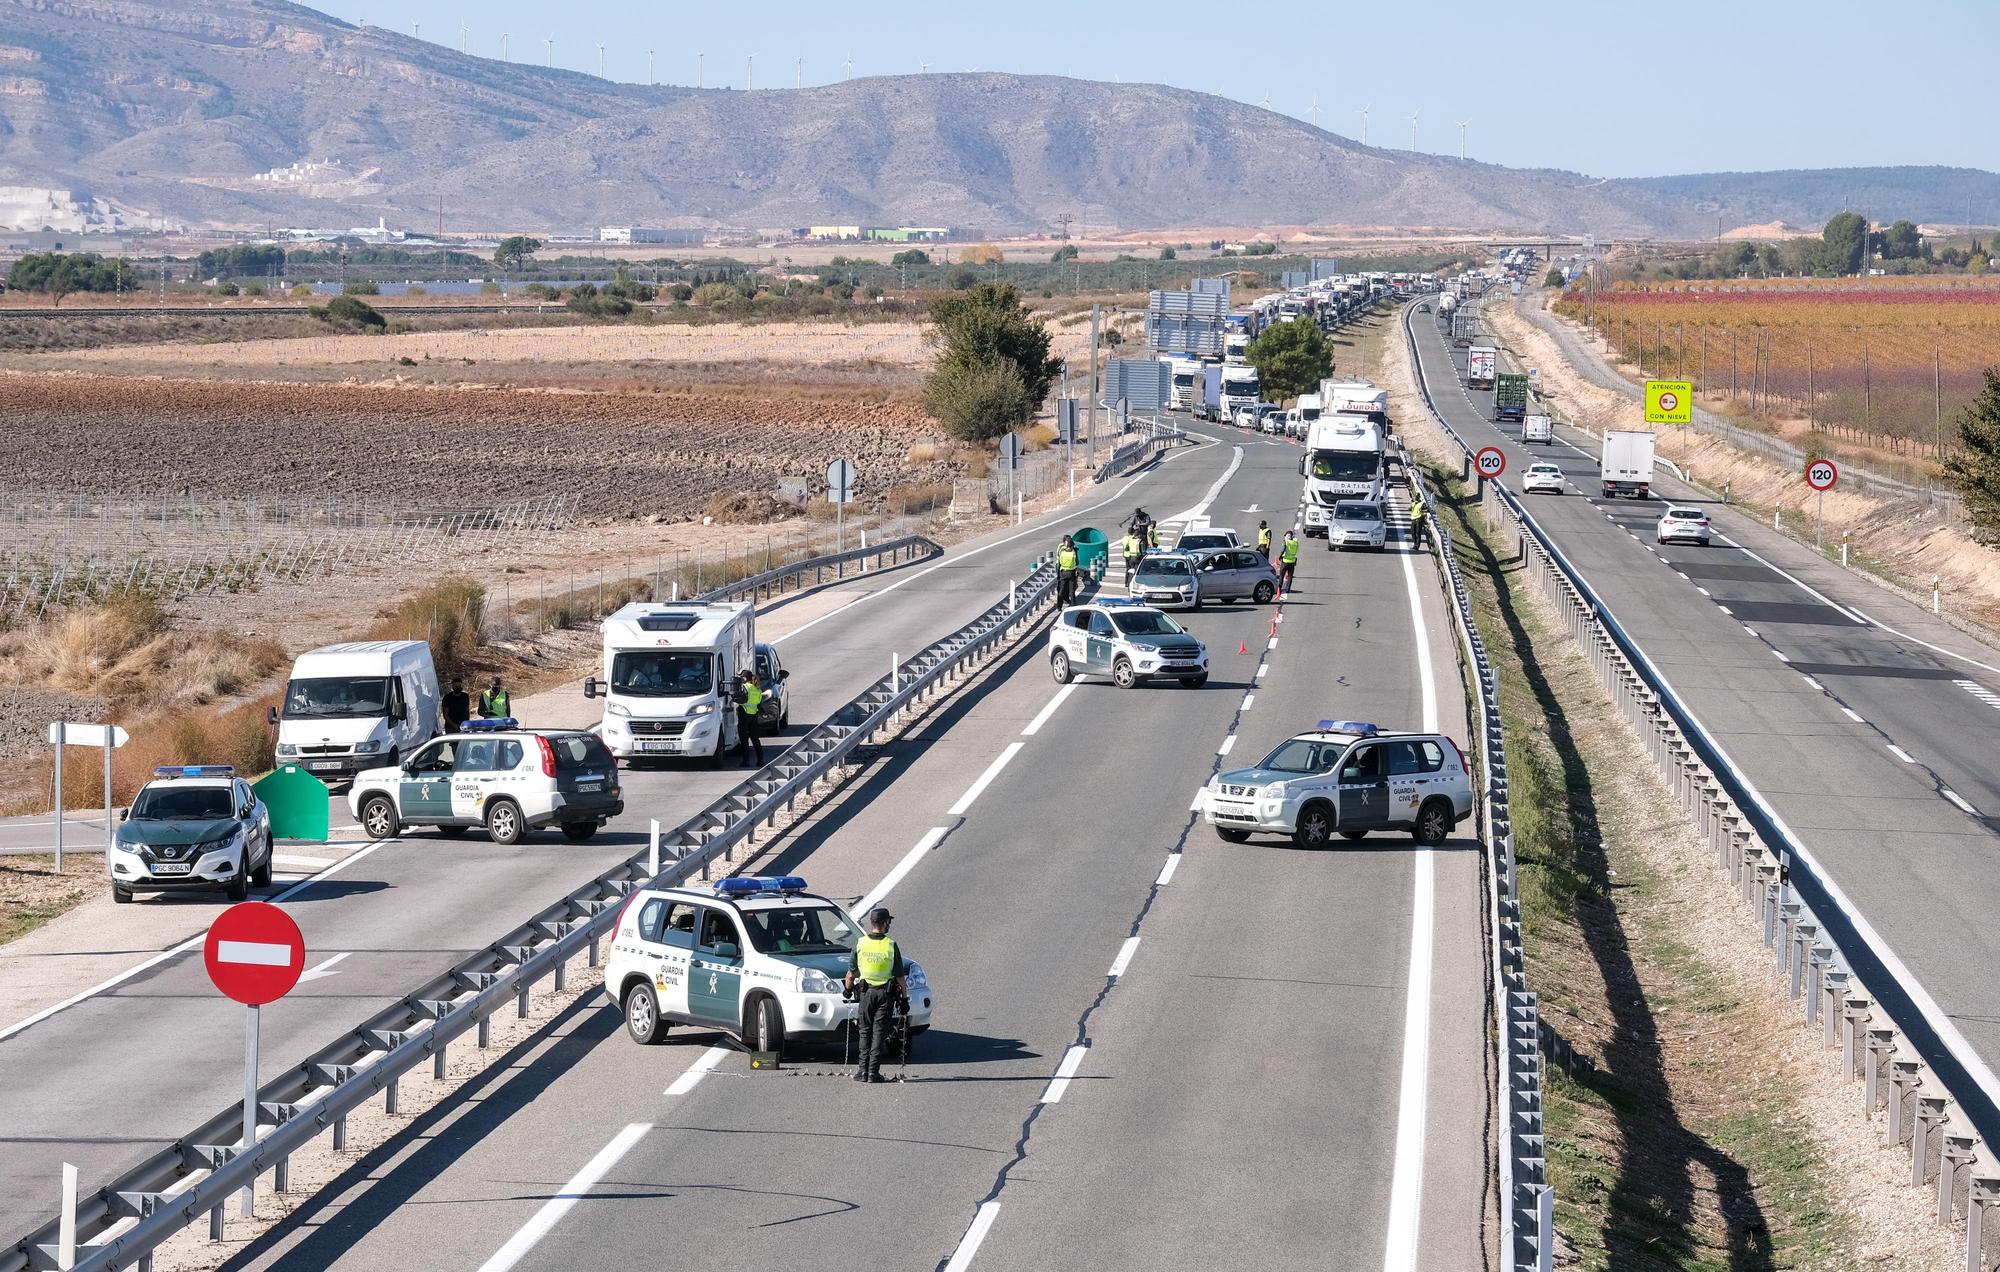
column 783, row 676
column 727, row 950
column 398, row 713
column 271, row 715
column 124, row 814
column 590, row 686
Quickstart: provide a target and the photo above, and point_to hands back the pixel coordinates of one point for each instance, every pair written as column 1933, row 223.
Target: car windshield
column 181, row 803
column 337, row 696
column 662, row 673
column 1163, row 568
column 819, row 929
column 1330, row 465
column 1145, row 623
column 1357, row 512
column 1304, row 755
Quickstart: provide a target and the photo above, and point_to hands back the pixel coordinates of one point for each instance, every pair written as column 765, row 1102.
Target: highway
column 389, row 915
column 1148, row 1041
column 1867, row 726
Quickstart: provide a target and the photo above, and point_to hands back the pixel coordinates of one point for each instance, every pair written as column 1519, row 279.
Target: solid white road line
column 931, row 839
column 1167, row 871
column 1124, row 959
column 985, row 779
column 1228, row 745
column 1042, row 718
column 1955, row 798
column 697, row 1071
column 1900, row 753
column 1937, row 649
column 1071, row 1062
column 314, row 863
column 1201, row 509
column 968, row 1245
column 572, row 1192
column 1853, row 715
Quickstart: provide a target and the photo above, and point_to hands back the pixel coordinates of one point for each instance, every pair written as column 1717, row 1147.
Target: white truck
column 669, row 671
column 1235, row 347
column 1240, row 388
column 1343, row 460
column 1447, row 303
column 1187, row 383
column 1303, row 415
column 1537, row 428
column 1356, row 397
column 1481, row 364
column 1626, row 467
column 360, row 705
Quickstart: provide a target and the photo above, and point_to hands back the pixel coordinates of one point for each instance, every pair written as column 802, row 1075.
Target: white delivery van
column 1303, row 415
column 361, row 705
column 669, row 668
column 1536, row 428
column 1626, row 465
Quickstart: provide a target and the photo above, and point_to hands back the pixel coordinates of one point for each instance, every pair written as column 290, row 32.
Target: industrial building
column 648, row 234
column 877, row 233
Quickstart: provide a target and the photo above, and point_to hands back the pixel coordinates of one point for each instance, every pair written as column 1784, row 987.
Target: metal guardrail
column 784, row 578
column 122, row 1222
column 1914, row 1067
column 1135, row 454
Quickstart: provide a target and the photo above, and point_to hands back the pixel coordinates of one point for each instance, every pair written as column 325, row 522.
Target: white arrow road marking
column 324, row 969
column 255, row 953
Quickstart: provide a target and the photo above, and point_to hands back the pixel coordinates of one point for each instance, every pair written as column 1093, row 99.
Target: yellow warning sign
column 1669, row 402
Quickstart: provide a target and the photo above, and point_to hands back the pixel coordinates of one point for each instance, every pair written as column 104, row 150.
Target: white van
column 361, row 705
column 668, row 671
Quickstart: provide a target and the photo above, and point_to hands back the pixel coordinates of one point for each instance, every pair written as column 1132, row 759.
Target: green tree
column 1975, row 468
column 1901, row 242
column 911, row 256
column 57, row 274
column 1291, row 358
column 1067, row 252
column 1168, row 253
column 1978, row 263
column 994, row 366
column 1846, row 244
column 1554, row 278
column 1261, row 249
column 515, row 251
column 349, row 313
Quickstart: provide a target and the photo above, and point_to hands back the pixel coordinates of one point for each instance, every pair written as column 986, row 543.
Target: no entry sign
column 1491, row 461
column 254, row 953
column 1821, row 474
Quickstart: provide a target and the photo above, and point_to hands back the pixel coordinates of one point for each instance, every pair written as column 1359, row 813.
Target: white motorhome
column 1343, row 460
column 359, row 705
column 1240, row 388
column 668, row 671
column 1303, row 415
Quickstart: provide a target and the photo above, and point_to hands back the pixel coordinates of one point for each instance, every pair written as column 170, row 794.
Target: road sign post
column 1011, row 450
column 840, row 479
column 255, row 955
column 1488, row 462
column 1821, row 474
column 108, row 736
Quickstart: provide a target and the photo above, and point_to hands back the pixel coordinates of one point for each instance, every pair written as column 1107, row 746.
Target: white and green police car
column 1126, row 643
column 760, row 959
column 495, row 774
column 1348, row 778
column 193, row 828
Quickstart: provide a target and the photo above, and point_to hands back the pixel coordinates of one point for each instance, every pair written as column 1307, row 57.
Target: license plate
column 589, row 788
column 173, row 867
column 322, row 765
column 1163, row 598
column 656, row 746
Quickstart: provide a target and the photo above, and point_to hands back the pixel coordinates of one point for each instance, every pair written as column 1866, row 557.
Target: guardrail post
column 392, row 1097
column 1904, row 1075
column 281, row 1175
column 1979, row 1194
column 340, row 1128
column 1853, row 1023
column 215, row 1224
column 485, row 1032
column 1817, row 964
column 1954, row 1157
column 1787, row 965
column 1833, row 988
column 562, row 974
column 1931, row 1115
column 438, row 1060
column 1881, row 1045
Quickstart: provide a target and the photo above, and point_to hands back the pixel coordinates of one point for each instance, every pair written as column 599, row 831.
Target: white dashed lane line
column 1959, row 800
column 1851, row 714
column 1900, row 753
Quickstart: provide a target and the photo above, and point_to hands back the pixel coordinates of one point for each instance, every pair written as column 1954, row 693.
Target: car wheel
column 642, row 1016
column 1315, row 828
column 239, row 887
column 378, row 817
column 715, row 756
column 1265, row 591
column 453, row 832
column 1433, row 823
column 1059, row 667
column 261, row 876
column 123, row 896
column 1196, row 682
column 1228, row 836
column 1354, row 834
column 1122, row 674
column 577, row 832
column 764, row 1030
column 503, row 822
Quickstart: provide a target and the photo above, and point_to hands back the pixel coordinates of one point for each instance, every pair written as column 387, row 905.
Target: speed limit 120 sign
column 1821, row 474
column 1490, row 461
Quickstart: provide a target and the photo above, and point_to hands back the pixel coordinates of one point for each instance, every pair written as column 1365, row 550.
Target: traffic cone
column 1242, row 647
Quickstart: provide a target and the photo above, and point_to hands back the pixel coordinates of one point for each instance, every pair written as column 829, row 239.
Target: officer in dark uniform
column 877, row 974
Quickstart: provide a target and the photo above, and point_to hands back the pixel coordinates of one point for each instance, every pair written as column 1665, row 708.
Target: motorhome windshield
column 1328, row 465
column 662, row 673
column 331, row 697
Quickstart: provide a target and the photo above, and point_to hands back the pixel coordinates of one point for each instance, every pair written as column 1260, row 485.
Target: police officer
column 749, row 697
column 1264, row 539
column 1132, row 551
column 494, row 702
column 1288, row 561
column 1418, row 515
column 877, row 974
column 1066, row 572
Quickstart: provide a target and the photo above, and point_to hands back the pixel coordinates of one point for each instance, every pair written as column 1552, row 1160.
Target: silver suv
column 1348, row 778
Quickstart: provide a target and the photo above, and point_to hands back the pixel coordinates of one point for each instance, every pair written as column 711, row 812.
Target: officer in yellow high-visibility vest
column 877, row 974
column 749, row 697
column 1132, row 551
column 1417, row 515
column 1264, row 539
column 1288, row 561
column 1066, row 572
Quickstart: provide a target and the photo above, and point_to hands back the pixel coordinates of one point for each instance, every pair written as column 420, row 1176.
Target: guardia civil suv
column 1126, row 643
column 494, row 774
column 760, row 959
column 193, row 828
column 1346, row 778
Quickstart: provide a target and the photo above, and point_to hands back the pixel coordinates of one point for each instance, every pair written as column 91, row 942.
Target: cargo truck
column 1510, row 397
column 1240, row 388
column 1537, row 428
column 1627, row 464
column 1481, row 363
column 1187, row 383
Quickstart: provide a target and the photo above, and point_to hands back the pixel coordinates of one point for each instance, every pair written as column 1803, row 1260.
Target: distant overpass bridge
column 1548, row 246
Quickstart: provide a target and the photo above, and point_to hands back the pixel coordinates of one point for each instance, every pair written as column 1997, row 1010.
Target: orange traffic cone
column 1242, row 647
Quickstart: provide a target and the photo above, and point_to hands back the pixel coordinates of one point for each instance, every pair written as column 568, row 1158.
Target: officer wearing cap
column 877, row 974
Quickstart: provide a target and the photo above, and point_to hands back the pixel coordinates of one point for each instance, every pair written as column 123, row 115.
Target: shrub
column 415, row 289
column 301, row 291
column 489, row 289
column 360, row 287
column 448, row 614
column 350, row 314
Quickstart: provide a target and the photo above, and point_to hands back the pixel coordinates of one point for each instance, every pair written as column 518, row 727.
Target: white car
column 1547, row 477
column 1125, row 642
column 1683, row 525
column 1356, row 523
column 497, row 775
column 1348, row 778
column 760, row 959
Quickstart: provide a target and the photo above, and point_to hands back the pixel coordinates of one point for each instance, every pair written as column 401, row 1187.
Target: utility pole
column 1064, row 221
column 1091, row 426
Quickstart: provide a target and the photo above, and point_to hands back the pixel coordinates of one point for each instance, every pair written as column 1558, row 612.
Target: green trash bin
column 1093, row 551
column 298, row 804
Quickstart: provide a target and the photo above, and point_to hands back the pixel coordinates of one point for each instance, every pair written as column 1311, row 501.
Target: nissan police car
column 193, row 828
column 1344, row 778
column 1124, row 642
column 495, row 774
column 760, row 959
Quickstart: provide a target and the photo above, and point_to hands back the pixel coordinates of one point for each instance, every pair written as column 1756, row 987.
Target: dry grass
column 32, row 893
column 126, row 651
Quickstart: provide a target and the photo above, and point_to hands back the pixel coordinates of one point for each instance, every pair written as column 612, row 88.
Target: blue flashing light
column 1120, row 602
column 751, row 886
column 195, row 770
column 1350, row 726
column 489, row 726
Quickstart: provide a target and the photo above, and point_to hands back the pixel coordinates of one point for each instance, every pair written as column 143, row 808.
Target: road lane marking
column 1167, row 871
column 1124, row 959
column 253, row 953
column 314, row 863
column 1816, row 684
column 1853, row 715
column 985, row 779
column 572, row 1192
column 1248, row 698
column 968, row 1245
column 1781, row 655
column 1273, row 644
column 1955, row 798
column 1750, row 629
column 1228, row 745
column 1194, row 805
column 932, row 838
column 1071, row 1062
column 1261, row 669
column 324, row 969
column 1201, row 509
column 1062, row 696
column 1725, row 609
column 1900, row 753
column 1704, row 591
column 697, row 1071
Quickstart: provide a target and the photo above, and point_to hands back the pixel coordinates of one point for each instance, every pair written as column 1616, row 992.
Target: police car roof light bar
column 752, row 885
column 1350, row 726
column 489, row 726
column 195, row 770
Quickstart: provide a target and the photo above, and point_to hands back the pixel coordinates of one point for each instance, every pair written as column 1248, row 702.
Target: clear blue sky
column 1613, row 89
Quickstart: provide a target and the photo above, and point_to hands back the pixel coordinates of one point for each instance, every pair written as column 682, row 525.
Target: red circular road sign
column 1490, row 461
column 254, row 953
column 1821, row 474
column 1669, row 400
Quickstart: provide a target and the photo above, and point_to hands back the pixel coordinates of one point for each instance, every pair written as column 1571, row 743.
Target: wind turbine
column 1315, row 110
column 551, row 43
column 699, row 59
column 801, row 80
column 503, row 46
column 600, row 59
column 649, row 68
column 847, row 67
column 416, row 30
column 1364, row 125
column 461, row 36
column 1266, row 103
column 750, row 74
column 1461, row 137
column 1413, row 126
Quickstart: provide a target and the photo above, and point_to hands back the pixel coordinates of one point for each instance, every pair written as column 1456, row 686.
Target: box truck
column 1626, row 467
column 1481, row 362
